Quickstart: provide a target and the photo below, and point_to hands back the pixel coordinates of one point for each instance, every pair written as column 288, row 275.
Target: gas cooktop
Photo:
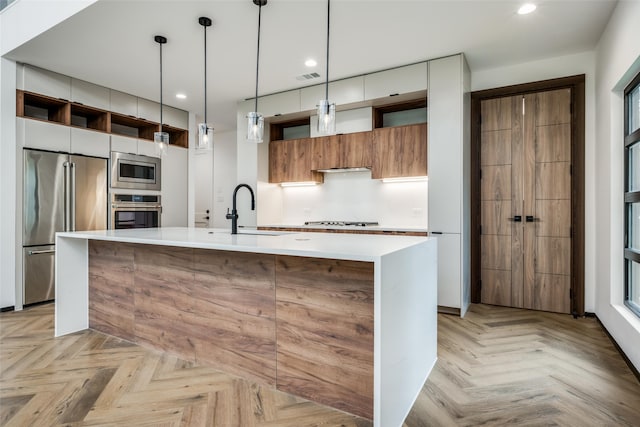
column 342, row 223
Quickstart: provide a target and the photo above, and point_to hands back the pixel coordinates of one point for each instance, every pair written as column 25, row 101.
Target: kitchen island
column 344, row 320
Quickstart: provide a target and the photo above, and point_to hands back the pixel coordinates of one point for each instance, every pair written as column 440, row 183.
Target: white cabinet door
column 449, row 271
column 123, row 103
column 279, row 103
column 148, row 148
column 411, row 78
column 174, row 117
column 46, row 82
column 149, row 110
column 174, row 187
column 341, row 92
column 89, row 143
column 89, row 94
column 44, row 135
column 445, row 145
column 124, row 144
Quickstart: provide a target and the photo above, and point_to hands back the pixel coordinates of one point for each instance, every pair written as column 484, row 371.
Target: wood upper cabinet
column 290, row 161
column 399, row 151
column 351, row 150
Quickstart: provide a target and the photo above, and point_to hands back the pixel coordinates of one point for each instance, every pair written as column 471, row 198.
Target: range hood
column 336, row 170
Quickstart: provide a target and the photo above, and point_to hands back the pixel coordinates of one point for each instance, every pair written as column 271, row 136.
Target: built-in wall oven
column 135, row 211
column 133, row 171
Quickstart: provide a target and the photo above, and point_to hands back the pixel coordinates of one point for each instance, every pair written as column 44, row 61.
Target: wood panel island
column 344, row 320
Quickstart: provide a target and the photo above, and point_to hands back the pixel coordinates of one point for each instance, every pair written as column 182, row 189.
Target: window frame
column 630, row 138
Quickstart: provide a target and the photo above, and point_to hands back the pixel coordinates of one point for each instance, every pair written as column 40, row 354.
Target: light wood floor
column 498, row 366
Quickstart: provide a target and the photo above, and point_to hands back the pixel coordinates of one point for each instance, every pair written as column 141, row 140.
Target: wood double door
column 525, row 161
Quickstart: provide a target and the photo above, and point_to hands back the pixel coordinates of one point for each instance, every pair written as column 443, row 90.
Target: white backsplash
column 354, row 196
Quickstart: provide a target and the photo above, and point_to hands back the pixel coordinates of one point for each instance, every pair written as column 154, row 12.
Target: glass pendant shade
column 205, row 136
column 326, row 118
column 161, row 140
column 255, row 127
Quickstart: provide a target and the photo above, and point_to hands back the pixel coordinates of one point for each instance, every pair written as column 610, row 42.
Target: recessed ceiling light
column 526, row 8
column 181, row 96
column 310, row 63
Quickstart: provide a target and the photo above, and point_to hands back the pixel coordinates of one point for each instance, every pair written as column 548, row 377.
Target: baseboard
column 615, row 344
column 448, row 310
column 9, row 308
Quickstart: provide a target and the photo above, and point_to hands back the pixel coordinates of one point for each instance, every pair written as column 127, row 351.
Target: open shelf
column 89, row 118
column 42, row 107
column 129, row 126
column 179, row 137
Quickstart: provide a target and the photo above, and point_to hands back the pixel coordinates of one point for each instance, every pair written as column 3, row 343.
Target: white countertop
column 349, row 227
column 357, row 247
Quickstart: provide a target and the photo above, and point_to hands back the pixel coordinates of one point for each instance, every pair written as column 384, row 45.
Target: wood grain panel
column 553, row 181
column 553, row 143
column 496, row 287
column 326, row 152
column 496, row 217
column 553, row 255
column 551, row 293
column 399, row 151
column 521, row 156
column 356, row 150
column 496, row 252
column 496, row 114
column 553, row 107
column 325, row 331
column 554, row 218
column 496, row 182
column 496, row 148
column 290, row 161
column 111, row 288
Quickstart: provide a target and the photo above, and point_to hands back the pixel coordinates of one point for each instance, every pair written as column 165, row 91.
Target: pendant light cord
column 326, row 88
column 160, row 87
column 258, row 56
column 205, row 74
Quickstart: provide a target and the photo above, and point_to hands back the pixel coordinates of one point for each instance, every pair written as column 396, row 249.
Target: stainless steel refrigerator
column 61, row 192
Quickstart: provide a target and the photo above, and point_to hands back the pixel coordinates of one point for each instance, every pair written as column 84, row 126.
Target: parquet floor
column 498, row 366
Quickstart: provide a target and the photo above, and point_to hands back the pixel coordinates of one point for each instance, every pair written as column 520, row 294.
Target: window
column 632, row 194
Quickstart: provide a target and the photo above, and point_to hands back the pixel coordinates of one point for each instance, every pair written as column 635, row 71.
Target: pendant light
column 161, row 138
column 327, row 110
column 205, row 132
column 255, row 121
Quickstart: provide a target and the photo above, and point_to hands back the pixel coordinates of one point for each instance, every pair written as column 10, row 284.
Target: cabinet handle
column 436, row 232
column 48, row 251
column 531, row 218
column 516, row 218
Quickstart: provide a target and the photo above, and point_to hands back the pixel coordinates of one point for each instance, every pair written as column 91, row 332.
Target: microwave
column 133, row 171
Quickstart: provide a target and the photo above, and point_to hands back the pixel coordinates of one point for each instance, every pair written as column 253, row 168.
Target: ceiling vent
column 309, row 76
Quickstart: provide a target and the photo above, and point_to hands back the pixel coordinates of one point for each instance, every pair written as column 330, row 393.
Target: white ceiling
column 111, row 42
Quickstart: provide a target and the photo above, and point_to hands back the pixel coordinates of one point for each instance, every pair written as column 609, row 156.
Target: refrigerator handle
column 72, row 208
column 67, row 195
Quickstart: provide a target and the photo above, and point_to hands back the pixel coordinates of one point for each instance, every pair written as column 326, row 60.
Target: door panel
column 526, row 201
column 91, row 193
column 39, row 274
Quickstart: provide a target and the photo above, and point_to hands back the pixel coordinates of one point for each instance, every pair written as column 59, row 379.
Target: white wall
column 8, row 183
column 564, row 66
column 224, row 178
column 351, row 196
column 617, row 61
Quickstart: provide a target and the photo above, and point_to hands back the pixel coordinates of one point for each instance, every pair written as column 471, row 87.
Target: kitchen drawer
column 89, row 94
column 89, row 143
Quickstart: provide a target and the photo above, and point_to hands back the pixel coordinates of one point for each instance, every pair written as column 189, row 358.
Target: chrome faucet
column 233, row 216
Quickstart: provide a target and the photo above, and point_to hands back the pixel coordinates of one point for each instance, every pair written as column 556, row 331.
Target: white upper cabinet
column 174, row 117
column 149, row 110
column 123, row 103
column 341, row 92
column 89, row 143
column 43, row 135
column 148, row 148
column 411, row 78
column 45, row 82
column 89, row 94
column 124, row 144
column 348, row 121
column 279, row 103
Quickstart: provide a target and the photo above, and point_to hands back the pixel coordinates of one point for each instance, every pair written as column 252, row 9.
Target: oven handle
column 136, row 207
